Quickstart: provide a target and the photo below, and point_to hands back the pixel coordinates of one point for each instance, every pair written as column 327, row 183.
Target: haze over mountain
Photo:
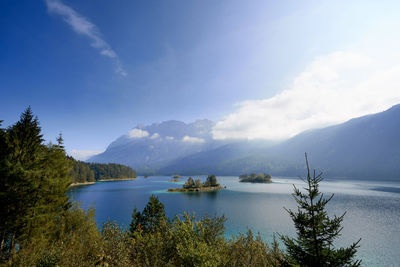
column 365, row 147
column 147, row 148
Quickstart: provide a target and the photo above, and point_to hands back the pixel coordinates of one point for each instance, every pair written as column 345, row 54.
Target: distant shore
column 101, row 180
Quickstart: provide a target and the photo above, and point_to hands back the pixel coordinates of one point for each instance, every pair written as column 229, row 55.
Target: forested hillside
column 90, row 172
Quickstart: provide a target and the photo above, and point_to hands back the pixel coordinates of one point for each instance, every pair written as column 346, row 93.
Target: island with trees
column 255, row 178
column 176, row 178
column 191, row 185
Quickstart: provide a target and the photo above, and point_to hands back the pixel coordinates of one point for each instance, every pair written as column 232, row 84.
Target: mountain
column 148, row 148
column 221, row 160
column 365, row 147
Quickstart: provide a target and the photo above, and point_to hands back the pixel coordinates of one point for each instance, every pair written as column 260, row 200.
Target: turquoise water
column 373, row 209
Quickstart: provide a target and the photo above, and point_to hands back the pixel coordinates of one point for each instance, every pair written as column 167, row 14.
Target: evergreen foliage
column 34, row 180
column 152, row 217
column 316, row 231
column 90, row 172
column 187, row 241
column 254, row 178
column 211, row 181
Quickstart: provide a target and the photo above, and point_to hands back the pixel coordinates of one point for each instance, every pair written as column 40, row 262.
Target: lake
column 373, row 208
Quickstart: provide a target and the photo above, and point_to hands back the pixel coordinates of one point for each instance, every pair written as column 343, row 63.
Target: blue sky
column 94, row 69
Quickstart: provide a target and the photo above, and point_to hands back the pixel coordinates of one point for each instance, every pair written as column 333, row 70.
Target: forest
column 254, row 178
column 90, row 172
column 40, row 226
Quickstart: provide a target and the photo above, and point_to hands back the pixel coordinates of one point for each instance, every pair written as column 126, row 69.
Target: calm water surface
column 373, row 208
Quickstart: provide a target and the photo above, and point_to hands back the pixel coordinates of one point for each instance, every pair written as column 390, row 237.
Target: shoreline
column 78, row 184
column 102, row 180
column 116, row 179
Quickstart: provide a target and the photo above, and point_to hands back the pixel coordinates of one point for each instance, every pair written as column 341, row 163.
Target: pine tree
column 151, row 218
column 5, row 217
column 50, row 199
column 21, row 168
column 34, row 179
column 315, row 230
column 212, row 180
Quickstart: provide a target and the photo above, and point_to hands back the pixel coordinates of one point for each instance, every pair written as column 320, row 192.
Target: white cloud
column 138, row 133
column 191, row 139
column 83, row 26
column 169, row 138
column 155, row 136
column 83, row 154
column 333, row 89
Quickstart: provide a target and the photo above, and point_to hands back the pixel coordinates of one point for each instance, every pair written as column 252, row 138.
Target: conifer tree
column 5, row 217
column 316, row 231
column 34, row 179
column 21, row 170
column 50, row 199
column 151, row 218
column 212, row 180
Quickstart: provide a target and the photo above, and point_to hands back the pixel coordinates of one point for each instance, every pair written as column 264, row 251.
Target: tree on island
column 189, row 183
column 212, row 180
column 254, row 178
column 198, row 183
column 315, row 230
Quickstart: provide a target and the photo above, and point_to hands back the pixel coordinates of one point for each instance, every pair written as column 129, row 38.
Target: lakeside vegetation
column 83, row 172
column 254, row 178
column 39, row 226
column 191, row 185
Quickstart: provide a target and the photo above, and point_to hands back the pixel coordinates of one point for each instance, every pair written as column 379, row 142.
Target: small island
column 191, row 185
column 176, row 178
column 254, row 178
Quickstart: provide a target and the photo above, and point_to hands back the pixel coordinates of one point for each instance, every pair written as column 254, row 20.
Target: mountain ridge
column 362, row 147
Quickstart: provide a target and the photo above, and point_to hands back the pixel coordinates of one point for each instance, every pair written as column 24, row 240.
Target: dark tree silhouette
column 315, row 230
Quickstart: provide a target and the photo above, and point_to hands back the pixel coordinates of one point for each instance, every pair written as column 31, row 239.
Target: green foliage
column 116, row 245
column 81, row 172
column 74, row 241
column 250, row 250
column 198, row 183
column 212, row 180
column 34, row 179
column 192, row 245
column 254, row 178
column 189, row 183
column 315, row 230
column 152, row 217
column 89, row 172
column 186, row 241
